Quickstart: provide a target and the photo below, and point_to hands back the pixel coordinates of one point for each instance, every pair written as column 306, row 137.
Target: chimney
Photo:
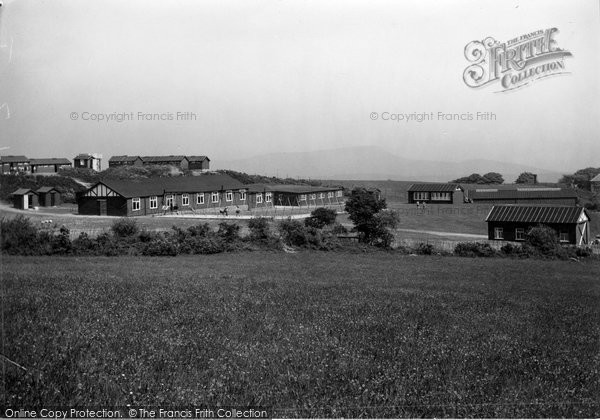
column 535, row 178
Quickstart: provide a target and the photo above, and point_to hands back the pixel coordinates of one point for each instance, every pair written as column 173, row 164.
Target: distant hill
column 373, row 163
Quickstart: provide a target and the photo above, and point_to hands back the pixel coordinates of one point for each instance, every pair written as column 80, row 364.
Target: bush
column 230, row 232
column 424, row 249
column 542, row 240
column 474, row 249
column 293, row 232
column 259, row 230
column 320, row 217
column 160, row 247
column 125, row 228
column 19, row 236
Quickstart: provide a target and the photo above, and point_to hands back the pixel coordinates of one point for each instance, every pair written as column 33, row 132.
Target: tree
column 581, row 178
column 526, row 178
column 493, row 178
column 489, row 178
column 370, row 221
column 321, row 217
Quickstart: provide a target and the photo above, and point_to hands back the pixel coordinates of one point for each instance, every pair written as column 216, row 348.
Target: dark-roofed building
column 595, row 184
column 125, row 160
column 15, row 164
column 436, row 193
column 541, row 195
column 157, row 195
column 49, row 165
column 268, row 195
column 510, row 222
column 48, row 196
column 198, row 162
column 24, row 198
column 89, row 161
column 173, row 160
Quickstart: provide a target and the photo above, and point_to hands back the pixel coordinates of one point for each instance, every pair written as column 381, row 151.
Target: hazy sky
column 278, row 76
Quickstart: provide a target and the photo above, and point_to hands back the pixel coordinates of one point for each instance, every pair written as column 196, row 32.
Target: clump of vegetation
column 474, row 249
column 321, row 217
column 373, row 224
column 125, row 228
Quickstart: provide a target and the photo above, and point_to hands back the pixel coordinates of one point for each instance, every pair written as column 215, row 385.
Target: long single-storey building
column 157, row 195
column 268, row 195
column 125, row 160
column 48, row 196
column 183, row 162
column 24, row 198
column 14, row 164
column 436, row 193
column 510, row 222
column 48, row 165
column 539, row 195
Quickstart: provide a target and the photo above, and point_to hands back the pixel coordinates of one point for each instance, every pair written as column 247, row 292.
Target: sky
column 255, row 77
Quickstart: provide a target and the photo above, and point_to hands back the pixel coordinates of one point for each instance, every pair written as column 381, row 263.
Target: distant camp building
column 125, row 160
column 436, row 193
column 49, row 165
column 24, row 198
column 15, row 164
column 509, row 222
column 89, row 161
column 48, row 196
column 595, row 184
column 198, row 162
column 173, row 160
column 158, row 195
column 536, row 195
column 268, row 195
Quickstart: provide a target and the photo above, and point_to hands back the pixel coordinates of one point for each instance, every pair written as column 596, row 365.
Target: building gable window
column 154, row 202
column 169, row 200
column 229, row 196
column 242, row 195
column 268, row 197
column 563, row 236
column 185, row 199
column 199, row 198
column 259, row 198
column 498, row 233
column 214, row 197
column 135, row 204
column 519, row 234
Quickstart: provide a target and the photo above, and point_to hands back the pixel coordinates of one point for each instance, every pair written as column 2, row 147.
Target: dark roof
column 197, row 158
column 535, row 214
column 170, row 158
column 177, row 184
column 123, row 158
column 50, row 161
column 596, row 178
column 23, row 191
column 521, row 193
column 291, row 189
column 45, row 190
column 433, row 187
column 86, row 156
column 14, row 159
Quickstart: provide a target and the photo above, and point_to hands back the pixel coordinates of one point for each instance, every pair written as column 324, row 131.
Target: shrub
column 338, row 229
column 424, row 249
column 509, row 249
column 230, row 232
column 320, row 217
column 293, row 232
column 199, row 230
column 160, row 247
column 125, row 228
column 474, row 249
column 259, row 230
column 544, row 241
column 84, row 245
column 18, row 236
column 61, row 243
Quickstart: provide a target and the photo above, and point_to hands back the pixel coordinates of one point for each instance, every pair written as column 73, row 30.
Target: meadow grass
column 310, row 334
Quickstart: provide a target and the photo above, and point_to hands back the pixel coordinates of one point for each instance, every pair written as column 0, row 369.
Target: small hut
column 48, row 196
column 24, row 198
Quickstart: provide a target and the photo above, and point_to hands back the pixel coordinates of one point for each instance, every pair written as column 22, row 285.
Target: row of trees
column 496, row 178
column 581, row 178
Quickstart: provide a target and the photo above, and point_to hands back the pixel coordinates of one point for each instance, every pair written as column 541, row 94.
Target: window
column 313, row 196
column 268, row 197
column 229, row 196
column 339, row 193
column 185, row 199
column 563, row 236
column 322, row 196
column 302, row 197
column 440, row 196
column 421, row 195
column 135, row 204
column 498, row 233
column 242, row 195
column 330, row 194
column 169, row 200
column 519, row 234
column 199, row 198
column 154, row 202
column 214, row 197
column 258, row 198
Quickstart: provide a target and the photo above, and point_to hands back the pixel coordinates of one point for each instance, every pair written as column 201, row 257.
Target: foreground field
column 311, row 334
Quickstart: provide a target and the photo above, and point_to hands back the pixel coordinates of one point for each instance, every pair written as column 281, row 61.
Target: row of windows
column 435, row 196
column 520, row 234
column 330, row 194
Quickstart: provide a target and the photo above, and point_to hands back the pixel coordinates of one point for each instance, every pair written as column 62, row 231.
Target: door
column 53, row 199
column 102, row 207
column 25, row 201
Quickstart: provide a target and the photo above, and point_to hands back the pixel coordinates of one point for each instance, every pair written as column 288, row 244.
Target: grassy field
column 311, row 334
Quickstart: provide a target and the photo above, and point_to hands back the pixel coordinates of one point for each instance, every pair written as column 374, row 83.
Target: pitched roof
column 50, row 161
column 288, row 188
column 596, row 178
column 170, row 158
column 535, row 214
column 23, row 191
column 521, row 193
column 85, row 156
column 197, row 158
column 45, row 190
column 123, row 158
column 14, row 159
column 177, row 184
column 433, row 187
